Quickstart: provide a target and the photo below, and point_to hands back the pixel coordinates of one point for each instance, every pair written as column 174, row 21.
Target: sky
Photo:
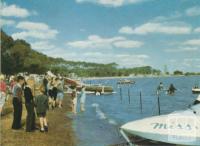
column 131, row 33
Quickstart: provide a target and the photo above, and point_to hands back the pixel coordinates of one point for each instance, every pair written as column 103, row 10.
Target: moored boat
column 98, row 89
column 72, row 82
column 89, row 88
column 196, row 90
column 181, row 128
column 125, row 81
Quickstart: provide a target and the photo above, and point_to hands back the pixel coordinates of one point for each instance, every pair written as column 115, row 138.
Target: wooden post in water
column 141, row 101
column 120, row 93
column 158, row 104
column 129, row 96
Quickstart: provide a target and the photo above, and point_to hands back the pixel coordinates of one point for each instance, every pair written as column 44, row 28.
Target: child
column 74, row 101
column 41, row 104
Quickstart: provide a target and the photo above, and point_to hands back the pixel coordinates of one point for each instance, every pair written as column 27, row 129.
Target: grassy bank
column 60, row 129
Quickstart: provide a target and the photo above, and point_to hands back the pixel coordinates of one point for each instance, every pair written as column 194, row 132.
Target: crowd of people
column 38, row 95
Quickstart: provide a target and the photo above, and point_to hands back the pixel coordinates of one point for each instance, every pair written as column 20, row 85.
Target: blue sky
column 129, row 32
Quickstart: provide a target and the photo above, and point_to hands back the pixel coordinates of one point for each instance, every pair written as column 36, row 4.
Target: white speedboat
column 181, row 128
column 196, row 90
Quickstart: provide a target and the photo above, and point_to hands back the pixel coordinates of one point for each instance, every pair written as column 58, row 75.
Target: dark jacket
column 28, row 95
column 41, row 103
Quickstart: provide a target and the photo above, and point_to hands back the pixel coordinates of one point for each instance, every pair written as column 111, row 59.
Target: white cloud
column 13, row 11
column 6, row 22
column 27, row 25
column 191, row 62
column 42, row 45
column 112, row 3
column 193, row 42
column 131, row 60
column 34, row 30
column 186, row 64
column 173, row 16
column 35, row 34
column 126, row 30
column 124, row 60
column 194, row 11
column 197, row 30
column 183, row 49
column 128, row 44
column 95, row 41
column 151, row 27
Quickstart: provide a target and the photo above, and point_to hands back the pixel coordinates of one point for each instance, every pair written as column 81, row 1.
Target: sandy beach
column 60, row 129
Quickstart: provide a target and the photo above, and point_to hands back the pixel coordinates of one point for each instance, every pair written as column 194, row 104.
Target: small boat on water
column 71, row 82
column 196, row 90
column 126, row 81
column 181, row 128
column 98, row 89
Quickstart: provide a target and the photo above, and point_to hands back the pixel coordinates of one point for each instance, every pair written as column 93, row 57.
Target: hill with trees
column 17, row 56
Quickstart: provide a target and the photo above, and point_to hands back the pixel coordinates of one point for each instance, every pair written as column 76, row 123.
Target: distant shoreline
column 139, row 76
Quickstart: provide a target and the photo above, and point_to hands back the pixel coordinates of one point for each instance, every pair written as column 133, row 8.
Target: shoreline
column 60, row 129
column 132, row 77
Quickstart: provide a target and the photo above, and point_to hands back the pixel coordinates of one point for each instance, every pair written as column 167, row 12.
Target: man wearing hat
column 17, row 103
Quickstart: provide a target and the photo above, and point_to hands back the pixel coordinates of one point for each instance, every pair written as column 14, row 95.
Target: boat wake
column 101, row 115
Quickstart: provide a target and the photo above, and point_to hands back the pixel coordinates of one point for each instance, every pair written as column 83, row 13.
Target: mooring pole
column 120, row 93
column 158, row 104
column 129, row 96
column 141, row 101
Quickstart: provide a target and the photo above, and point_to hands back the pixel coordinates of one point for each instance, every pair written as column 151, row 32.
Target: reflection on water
column 99, row 125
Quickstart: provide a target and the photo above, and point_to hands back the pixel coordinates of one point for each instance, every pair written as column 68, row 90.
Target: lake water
column 99, row 125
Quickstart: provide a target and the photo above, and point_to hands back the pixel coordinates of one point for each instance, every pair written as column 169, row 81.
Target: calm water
column 99, row 125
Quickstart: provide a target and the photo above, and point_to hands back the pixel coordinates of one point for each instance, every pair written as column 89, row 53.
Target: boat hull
column 100, row 89
column 181, row 128
column 126, row 82
column 196, row 90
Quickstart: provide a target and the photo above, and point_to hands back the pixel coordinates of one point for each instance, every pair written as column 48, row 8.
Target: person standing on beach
column 12, row 82
column 55, row 91
column 2, row 92
column 60, row 94
column 41, row 104
column 50, row 93
column 29, row 103
column 17, row 103
column 45, row 83
column 82, row 99
column 74, row 101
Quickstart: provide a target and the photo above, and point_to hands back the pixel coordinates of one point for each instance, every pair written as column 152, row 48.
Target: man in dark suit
column 17, row 103
column 29, row 103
